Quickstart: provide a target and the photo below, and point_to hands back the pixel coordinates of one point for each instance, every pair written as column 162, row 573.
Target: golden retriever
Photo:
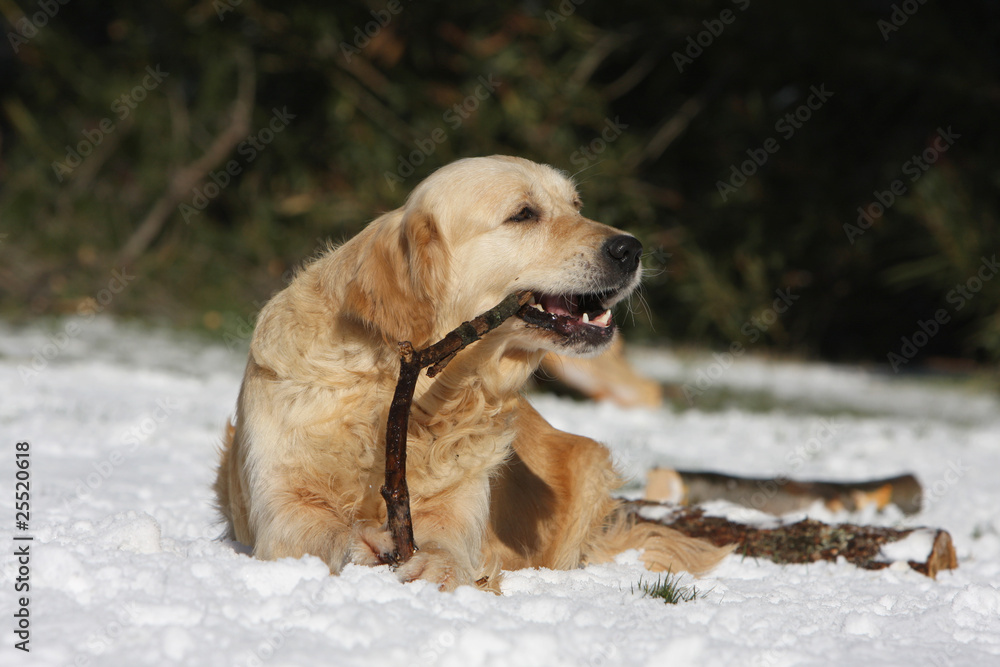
column 492, row 485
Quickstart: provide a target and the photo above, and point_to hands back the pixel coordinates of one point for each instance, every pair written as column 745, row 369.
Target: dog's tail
column 224, row 494
column 663, row 549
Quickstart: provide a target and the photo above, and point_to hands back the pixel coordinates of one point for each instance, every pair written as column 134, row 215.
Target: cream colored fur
column 492, row 485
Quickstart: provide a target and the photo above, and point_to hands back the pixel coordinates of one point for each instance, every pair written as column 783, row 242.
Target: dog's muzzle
column 583, row 320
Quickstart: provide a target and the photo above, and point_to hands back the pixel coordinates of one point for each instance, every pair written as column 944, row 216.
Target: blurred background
column 813, row 179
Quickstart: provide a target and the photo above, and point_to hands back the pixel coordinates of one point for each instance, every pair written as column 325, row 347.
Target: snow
column 914, row 546
column 126, row 568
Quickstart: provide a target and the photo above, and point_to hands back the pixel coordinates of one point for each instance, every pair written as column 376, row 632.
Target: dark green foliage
column 372, row 116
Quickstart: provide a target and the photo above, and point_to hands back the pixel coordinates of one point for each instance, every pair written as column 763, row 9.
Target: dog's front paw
column 371, row 544
column 437, row 565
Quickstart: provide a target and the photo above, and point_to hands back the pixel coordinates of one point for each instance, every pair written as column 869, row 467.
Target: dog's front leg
column 448, row 529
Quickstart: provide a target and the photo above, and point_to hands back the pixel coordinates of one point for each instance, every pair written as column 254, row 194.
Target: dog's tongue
column 559, row 305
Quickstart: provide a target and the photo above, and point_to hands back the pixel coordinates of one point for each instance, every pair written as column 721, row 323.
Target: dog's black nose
column 624, row 251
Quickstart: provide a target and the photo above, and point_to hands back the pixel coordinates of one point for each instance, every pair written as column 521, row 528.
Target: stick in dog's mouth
column 571, row 315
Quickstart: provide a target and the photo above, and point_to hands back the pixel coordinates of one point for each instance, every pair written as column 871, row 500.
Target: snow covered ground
column 123, row 425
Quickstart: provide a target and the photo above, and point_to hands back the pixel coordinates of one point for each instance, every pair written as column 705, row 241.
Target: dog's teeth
column 586, row 318
column 538, row 306
column 604, row 319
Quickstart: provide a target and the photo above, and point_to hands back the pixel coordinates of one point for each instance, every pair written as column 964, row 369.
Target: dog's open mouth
column 577, row 317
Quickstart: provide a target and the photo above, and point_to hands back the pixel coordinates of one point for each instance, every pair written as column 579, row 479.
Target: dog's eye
column 526, row 213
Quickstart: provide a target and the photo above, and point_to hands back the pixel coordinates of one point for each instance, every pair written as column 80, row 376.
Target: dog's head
column 480, row 229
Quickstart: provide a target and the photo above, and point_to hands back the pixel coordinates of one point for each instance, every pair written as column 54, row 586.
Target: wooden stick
column 808, row 541
column 394, row 490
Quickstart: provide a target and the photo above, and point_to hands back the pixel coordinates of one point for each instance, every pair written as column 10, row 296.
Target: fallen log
column 926, row 550
column 781, row 495
column 395, row 491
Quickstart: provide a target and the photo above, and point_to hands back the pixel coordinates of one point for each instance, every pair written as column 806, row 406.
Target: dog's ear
column 399, row 279
column 428, row 260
